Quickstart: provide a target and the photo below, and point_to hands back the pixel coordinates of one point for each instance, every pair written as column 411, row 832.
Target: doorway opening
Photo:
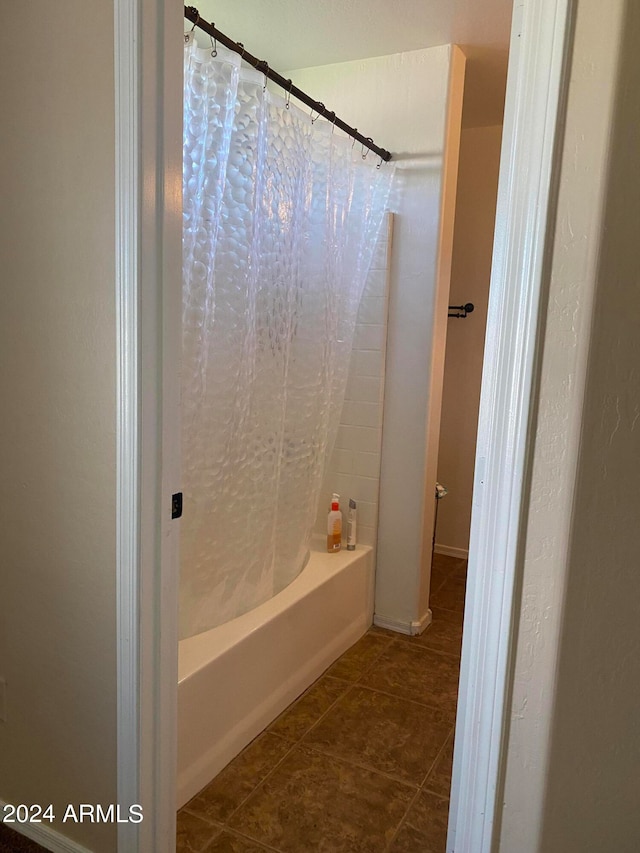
column 397, row 684
column 544, row 36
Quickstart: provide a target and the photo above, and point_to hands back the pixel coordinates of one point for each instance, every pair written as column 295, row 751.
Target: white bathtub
column 235, row 679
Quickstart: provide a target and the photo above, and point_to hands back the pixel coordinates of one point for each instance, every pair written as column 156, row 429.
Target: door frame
column 148, row 178
column 541, row 37
column 148, row 87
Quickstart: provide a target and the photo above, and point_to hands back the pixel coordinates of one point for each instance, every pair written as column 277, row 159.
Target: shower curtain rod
column 192, row 14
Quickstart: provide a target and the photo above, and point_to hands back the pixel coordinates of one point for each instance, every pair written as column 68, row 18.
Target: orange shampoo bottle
column 334, row 526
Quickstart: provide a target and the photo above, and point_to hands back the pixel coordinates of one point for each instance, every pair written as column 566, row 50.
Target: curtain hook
column 287, row 100
column 214, row 46
column 364, row 156
column 266, row 65
column 187, row 36
column 379, row 164
column 333, row 121
column 243, row 49
column 355, row 130
column 319, row 104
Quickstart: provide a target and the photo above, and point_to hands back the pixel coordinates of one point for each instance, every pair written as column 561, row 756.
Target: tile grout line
column 218, row 826
column 362, row 766
column 435, row 794
column 215, row 824
column 402, row 822
column 404, row 643
column 415, row 644
column 459, row 613
column 360, row 683
column 371, row 663
column 421, row 789
column 436, row 759
column 447, row 714
column 324, row 713
column 438, row 588
column 405, row 698
column 246, row 837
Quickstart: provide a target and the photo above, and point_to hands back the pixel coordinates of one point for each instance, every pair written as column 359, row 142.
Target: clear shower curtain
column 281, row 216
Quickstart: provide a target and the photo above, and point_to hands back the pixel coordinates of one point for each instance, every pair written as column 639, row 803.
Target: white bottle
column 351, row 526
column 334, row 526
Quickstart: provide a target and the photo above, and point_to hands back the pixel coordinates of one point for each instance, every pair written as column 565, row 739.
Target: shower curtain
column 281, row 216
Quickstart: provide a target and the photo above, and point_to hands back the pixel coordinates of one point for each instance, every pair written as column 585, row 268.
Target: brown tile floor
column 361, row 762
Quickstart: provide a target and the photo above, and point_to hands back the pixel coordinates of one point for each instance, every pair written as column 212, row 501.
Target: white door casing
column 539, row 48
column 148, row 91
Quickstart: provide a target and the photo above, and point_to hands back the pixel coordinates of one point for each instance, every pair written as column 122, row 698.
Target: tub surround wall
column 235, row 679
column 354, row 468
column 402, row 101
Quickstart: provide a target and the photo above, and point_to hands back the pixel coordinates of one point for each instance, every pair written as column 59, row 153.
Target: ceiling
column 292, row 34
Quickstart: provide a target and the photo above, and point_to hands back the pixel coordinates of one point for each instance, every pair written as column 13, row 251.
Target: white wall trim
column 537, row 77
column 450, row 551
column 411, row 629
column 127, row 202
column 148, row 100
column 44, row 835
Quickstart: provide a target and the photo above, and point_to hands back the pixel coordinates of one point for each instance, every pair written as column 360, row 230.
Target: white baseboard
column 450, row 551
column 411, row 629
column 45, row 836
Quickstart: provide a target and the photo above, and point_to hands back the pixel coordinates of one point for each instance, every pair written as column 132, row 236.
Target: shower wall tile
column 362, row 414
column 354, row 468
column 344, row 460
column 370, row 337
column 340, row 483
column 367, row 535
column 376, row 284
column 357, row 438
column 365, row 464
column 367, row 363
column 380, row 254
column 347, row 484
column 368, row 487
column 372, row 309
column 367, row 514
column 364, row 389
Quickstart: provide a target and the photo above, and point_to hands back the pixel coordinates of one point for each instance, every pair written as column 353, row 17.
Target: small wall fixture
column 461, row 311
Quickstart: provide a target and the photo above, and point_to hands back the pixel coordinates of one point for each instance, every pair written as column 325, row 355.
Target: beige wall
column 470, row 274
column 353, row 471
column 594, row 769
column 57, row 430
column 573, row 762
